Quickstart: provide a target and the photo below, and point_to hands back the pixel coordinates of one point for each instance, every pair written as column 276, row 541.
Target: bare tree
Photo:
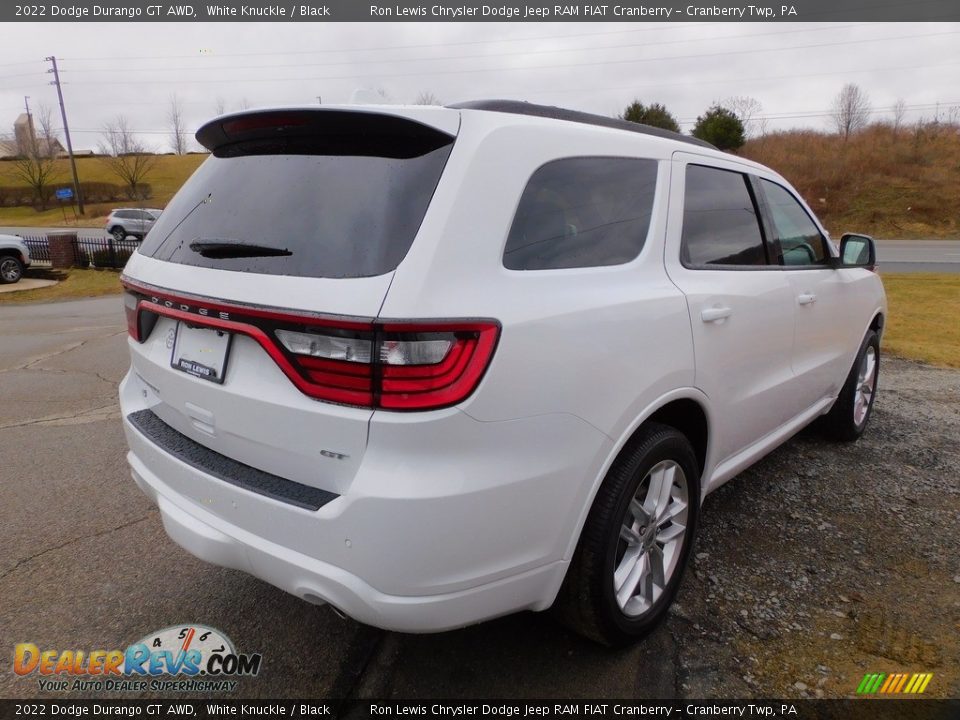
column 851, row 110
column 899, row 113
column 49, row 137
column 125, row 155
column 178, row 130
column 747, row 110
column 244, row 103
column 37, row 170
column 219, row 106
column 426, row 97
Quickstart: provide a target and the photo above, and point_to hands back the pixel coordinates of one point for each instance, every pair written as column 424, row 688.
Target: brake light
column 393, row 365
column 130, row 303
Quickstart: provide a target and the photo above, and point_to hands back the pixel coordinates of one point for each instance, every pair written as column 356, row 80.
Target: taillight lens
column 394, row 365
column 429, row 367
column 130, row 303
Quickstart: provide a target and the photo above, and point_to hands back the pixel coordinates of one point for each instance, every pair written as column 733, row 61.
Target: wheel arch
column 686, row 409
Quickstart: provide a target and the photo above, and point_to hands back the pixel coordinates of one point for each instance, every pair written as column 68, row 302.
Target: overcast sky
column 793, row 69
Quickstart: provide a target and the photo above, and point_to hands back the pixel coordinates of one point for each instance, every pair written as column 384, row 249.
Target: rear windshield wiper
column 223, row 249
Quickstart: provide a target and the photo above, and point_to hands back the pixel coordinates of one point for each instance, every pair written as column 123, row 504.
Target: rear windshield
column 347, row 207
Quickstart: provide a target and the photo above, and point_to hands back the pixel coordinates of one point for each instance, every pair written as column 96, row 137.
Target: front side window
column 582, row 212
column 799, row 238
column 720, row 221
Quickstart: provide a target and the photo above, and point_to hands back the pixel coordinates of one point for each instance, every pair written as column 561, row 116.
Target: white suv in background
column 436, row 365
column 135, row 222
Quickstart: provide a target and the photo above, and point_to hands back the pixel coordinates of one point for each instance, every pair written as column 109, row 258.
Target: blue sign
column 64, row 193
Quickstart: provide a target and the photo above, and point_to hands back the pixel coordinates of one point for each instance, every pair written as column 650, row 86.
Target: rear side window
column 720, row 222
column 582, row 212
column 799, row 238
column 331, row 195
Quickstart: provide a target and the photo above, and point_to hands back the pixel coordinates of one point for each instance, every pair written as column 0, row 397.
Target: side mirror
column 857, row 251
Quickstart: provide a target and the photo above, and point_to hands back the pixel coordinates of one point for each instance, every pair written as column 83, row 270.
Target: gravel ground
column 824, row 562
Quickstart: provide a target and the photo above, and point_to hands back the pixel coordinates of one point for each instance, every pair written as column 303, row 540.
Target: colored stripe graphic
column 894, row 683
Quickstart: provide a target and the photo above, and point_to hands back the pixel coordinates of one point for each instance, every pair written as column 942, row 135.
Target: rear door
column 256, row 284
column 739, row 301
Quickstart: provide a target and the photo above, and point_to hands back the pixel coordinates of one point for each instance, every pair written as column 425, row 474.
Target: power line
column 533, row 67
column 391, row 61
column 397, row 47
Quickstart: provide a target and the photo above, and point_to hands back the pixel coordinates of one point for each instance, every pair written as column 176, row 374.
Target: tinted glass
column 122, row 214
column 720, row 223
column 582, row 212
column 296, row 213
column 800, row 241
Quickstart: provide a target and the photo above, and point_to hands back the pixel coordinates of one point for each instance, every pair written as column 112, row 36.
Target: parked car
column 14, row 259
column 124, row 222
column 437, row 365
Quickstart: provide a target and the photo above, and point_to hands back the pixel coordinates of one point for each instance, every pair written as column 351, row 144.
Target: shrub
column 102, row 258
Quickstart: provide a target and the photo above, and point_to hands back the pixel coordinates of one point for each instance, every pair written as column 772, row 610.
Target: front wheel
column 11, row 269
column 848, row 417
column 636, row 541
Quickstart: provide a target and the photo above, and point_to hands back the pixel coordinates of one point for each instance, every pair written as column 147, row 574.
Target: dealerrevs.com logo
column 186, row 658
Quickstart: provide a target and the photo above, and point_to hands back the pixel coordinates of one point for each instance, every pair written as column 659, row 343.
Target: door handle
column 806, row 299
column 715, row 314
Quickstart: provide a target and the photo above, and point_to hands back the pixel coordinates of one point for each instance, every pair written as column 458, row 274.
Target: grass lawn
column 165, row 178
column 73, row 284
column 922, row 322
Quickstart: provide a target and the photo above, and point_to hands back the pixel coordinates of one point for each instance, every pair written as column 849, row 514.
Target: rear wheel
column 11, row 269
column 636, row 540
column 849, row 415
column 119, row 234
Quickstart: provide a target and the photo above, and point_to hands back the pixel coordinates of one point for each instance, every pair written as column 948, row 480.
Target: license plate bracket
column 200, row 351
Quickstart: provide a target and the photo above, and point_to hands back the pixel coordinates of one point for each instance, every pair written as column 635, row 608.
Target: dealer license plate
column 201, row 352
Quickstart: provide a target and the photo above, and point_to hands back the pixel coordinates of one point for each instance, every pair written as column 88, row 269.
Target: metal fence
column 101, row 252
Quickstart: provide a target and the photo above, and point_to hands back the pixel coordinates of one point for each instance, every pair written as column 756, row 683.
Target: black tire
column 841, row 422
column 119, row 234
column 11, row 269
column 587, row 600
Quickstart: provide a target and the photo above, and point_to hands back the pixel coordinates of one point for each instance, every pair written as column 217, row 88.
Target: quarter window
column 720, row 222
column 582, row 212
column 799, row 239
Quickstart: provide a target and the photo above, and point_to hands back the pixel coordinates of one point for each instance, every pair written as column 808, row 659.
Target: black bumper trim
column 225, row 468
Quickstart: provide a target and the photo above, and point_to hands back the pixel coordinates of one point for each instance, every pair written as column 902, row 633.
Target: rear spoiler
column 320, row 132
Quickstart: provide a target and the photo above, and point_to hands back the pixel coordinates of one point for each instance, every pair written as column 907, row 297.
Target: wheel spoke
column 676, row 507
column 658, row 494
column 671, row 533
column 639, row 512
column 627, row 588
column 656, row 566
column 630, row 536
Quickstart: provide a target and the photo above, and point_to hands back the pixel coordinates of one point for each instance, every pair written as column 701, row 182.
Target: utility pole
column 66, row 132
column 319, row 101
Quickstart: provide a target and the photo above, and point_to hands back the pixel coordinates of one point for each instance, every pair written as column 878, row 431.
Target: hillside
column 165, row 179
column 888, row 184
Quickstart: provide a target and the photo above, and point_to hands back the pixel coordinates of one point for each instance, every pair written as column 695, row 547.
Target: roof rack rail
column 517, row 107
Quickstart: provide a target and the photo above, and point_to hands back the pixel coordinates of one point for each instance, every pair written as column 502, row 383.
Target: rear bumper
column 432, row 533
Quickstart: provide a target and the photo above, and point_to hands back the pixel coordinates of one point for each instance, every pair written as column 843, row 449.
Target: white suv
column 436, row 365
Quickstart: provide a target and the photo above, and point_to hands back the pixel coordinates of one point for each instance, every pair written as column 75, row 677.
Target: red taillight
column 131, row 310
column 443, row 383
column 395, row 365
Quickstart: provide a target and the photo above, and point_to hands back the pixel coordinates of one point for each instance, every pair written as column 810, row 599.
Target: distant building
column 25, row 138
